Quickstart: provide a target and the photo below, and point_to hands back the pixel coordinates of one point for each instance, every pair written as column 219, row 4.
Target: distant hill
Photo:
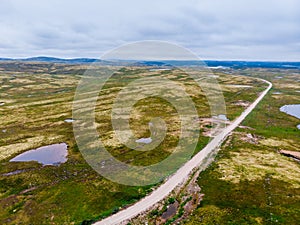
column 52, row 60
column 209, row 63
column 6, row 59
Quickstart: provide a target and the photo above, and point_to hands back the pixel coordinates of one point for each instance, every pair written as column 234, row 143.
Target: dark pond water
column 47, row 155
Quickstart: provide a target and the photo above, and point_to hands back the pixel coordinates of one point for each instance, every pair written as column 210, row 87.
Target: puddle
column 47, row 155
column 221, row 117
column 144, row 140
column 277, row 93
column 292, row 110
column 69, row 120
column 2, row 103
column 171, row 211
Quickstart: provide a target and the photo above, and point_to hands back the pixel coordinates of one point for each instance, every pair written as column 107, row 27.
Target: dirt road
column 183, row 173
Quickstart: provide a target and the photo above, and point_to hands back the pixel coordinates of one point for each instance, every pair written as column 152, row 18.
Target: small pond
column 221, row 117
column 69, row 120
column 292, row 110
column 47, row 155
column 144, row 140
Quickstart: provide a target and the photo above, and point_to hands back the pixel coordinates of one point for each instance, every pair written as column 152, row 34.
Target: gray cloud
column 214, row 29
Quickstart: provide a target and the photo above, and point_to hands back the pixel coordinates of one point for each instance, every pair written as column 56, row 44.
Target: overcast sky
column 213, row 29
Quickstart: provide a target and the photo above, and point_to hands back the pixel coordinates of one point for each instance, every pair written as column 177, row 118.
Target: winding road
column 183, row 173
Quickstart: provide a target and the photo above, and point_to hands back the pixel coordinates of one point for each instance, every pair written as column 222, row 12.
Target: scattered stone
column 242, row 103
column 245, row 127
column 250, row 138
column 291, row 154
column 176, row 207
column 212, row 126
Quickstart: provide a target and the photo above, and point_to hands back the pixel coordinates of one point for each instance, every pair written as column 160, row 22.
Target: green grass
column 38, row 100
column 263, row 187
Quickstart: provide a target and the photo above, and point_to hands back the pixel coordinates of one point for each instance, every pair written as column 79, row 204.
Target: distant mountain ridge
column 57, row 60
column 209, row 63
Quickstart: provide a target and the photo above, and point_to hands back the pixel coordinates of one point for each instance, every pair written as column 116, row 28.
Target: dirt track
column 183, row 173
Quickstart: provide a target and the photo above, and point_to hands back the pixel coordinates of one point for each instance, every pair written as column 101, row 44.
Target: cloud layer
column 213, row 29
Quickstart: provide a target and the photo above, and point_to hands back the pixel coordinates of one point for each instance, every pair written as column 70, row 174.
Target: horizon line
column 91, row 58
